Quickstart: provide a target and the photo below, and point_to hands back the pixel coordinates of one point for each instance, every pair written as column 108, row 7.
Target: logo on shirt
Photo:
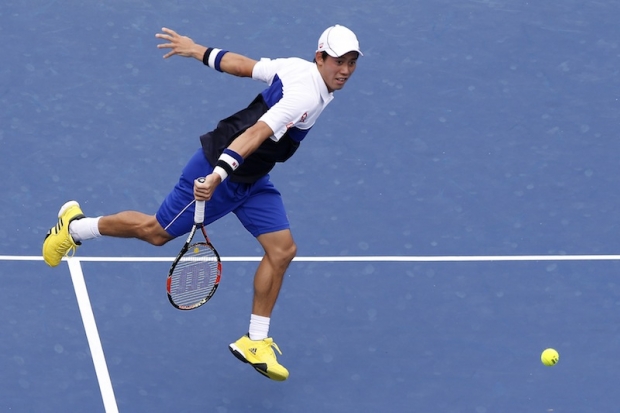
column 301, row 120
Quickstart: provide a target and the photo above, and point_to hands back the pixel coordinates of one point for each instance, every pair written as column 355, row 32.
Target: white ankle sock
column 85, row 228
column 259, row 327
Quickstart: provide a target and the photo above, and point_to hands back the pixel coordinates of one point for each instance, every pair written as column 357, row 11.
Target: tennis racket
column 195, row 273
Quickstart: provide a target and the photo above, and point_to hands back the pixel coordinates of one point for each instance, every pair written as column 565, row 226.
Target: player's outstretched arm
column 232, row 63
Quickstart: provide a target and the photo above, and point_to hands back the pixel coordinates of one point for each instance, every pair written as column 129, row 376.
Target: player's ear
column 318, row 57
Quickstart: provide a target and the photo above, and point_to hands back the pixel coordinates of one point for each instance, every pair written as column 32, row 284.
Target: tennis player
column 235, row 158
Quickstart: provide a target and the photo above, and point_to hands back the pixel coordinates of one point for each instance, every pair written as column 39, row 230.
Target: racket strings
column 195, row 275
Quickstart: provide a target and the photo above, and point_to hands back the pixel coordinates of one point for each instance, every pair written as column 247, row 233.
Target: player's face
column 336, row 70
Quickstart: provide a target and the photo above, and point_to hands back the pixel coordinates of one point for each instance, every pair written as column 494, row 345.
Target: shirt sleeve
column 298, row 98
column 265, row 70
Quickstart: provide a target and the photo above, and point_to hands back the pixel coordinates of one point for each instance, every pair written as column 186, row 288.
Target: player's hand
column 203, row 191
column 179, row 45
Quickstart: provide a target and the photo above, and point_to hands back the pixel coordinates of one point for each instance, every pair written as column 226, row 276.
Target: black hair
column 323, row 54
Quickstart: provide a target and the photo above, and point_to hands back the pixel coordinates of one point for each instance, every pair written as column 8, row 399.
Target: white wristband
column 221, row 172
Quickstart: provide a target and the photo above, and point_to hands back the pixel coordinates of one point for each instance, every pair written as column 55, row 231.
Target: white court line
column 396, row 258
column 94, row 342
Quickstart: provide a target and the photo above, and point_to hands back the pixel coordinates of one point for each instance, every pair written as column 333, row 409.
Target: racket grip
column 199, row 211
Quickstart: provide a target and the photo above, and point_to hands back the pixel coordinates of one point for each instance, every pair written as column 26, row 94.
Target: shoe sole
column 237, row 353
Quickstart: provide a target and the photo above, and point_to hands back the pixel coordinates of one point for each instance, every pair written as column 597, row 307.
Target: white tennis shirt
column 296, row 95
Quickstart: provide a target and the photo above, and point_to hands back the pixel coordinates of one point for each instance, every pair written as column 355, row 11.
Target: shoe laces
column 67, row 248
column 274, row 345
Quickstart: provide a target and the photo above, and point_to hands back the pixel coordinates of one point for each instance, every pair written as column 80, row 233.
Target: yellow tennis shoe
column 260, row 354
column 58, row 242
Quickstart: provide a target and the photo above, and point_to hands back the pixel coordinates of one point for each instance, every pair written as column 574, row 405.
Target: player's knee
column 154, row 234
column 280, row 248
column 282, row 255
column 158, row 240
column 287, row 253
column 292, row 252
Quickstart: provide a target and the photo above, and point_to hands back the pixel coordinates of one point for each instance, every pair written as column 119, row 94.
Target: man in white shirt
column 235, row 159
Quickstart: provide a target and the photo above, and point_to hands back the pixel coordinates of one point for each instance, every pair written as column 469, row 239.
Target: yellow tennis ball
column 549, row 357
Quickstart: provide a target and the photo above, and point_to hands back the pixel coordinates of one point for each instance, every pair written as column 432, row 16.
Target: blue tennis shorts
column 258, row 206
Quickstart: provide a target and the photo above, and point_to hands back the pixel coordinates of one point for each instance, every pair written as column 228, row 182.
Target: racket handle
column 199, row 211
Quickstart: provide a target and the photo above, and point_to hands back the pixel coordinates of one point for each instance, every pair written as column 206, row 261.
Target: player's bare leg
column 133, row 224
column 256, row 348
column 73, row 227
column 280, row 249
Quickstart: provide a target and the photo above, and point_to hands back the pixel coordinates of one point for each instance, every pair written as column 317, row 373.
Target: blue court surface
column 455, row 208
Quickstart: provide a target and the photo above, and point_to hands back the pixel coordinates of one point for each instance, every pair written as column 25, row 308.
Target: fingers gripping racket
column 196, row 271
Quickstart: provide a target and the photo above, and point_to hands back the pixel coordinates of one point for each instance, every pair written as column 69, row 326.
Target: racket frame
column 198, row 223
